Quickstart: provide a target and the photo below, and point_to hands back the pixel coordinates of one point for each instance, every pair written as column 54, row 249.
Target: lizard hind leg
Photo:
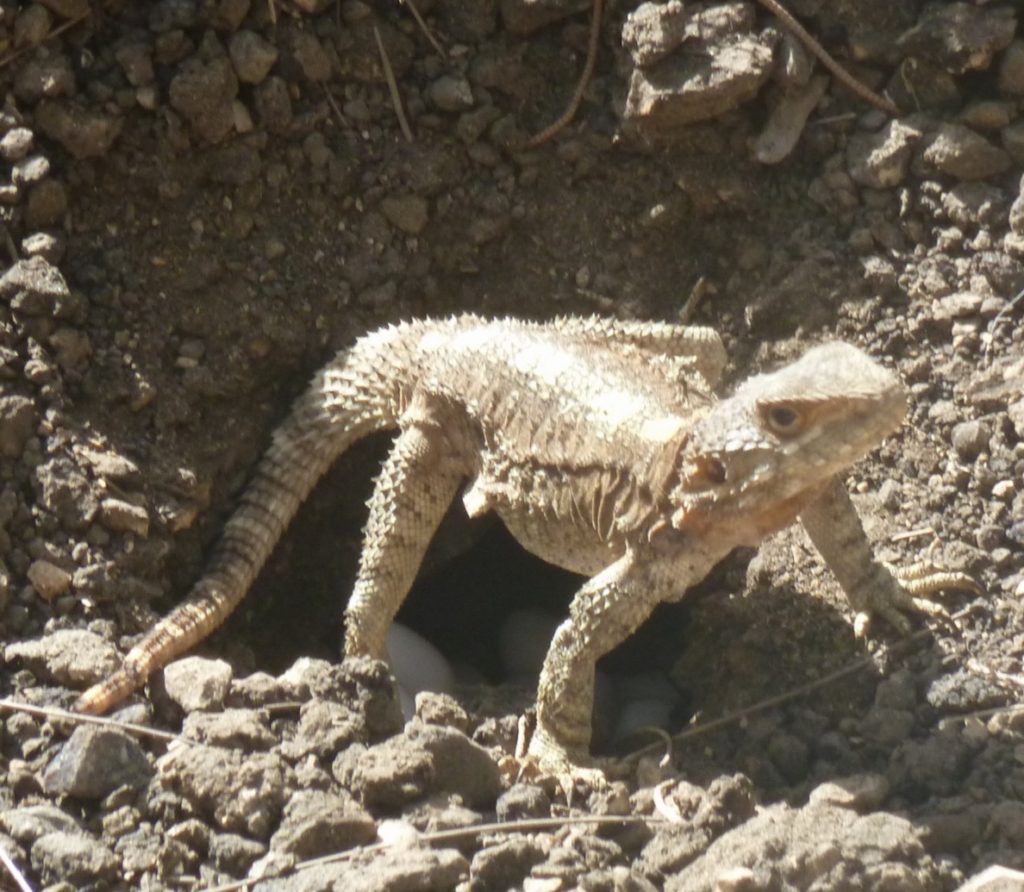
column 417, row 483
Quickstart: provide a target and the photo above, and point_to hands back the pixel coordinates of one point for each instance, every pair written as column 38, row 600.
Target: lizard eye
column 782, row 420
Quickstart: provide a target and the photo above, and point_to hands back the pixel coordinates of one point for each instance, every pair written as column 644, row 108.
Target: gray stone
column 654, row 30
column 36, row 288
column 228, row 15
column 50, row 246
column 16, row 144
column 960, row 152
column 94, row 762
column 694, row 87
column 324, row 729
column 32, row 25
column 49, row 580
column 311, row 56
column 71, row 347
column 409, row 213
column 523, row 801
column 461, row 766
column 241, row 792
column 71, row 657
column 136, row 60
column 73, row 858
column 84, row 132
column 387, row 776
column 240, row 729
column 234, row 854
column 1013, row 141
column 506, row 864
column 203, row 93
column 993, row 879
column 859, row 792
column 394, row 868
column 317, row 823
column 252, row 55
column 1011, row 69
column 198, row 683
column 18, row 422
column 974, row 203
column 1015, row 412
column 970, row 439
column 273, row 104
column 451, row 93
column 124, row 517
column 958, row 305
column 47, row 204
column 819, row 845
column 27, row 823
column 960, row 36
column 45, row 76
column 31, row 170
column 110, row 464
column 67, row 492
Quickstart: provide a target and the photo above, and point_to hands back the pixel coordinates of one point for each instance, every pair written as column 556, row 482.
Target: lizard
column 603, row 448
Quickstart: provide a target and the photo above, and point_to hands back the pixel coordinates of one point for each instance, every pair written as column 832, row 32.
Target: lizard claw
column 910, row 591
column 544, row 759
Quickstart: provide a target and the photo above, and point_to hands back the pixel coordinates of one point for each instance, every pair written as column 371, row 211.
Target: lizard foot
column 539, row 758
column 910, row 591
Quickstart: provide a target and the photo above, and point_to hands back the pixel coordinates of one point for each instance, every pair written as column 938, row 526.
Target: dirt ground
column 202, row 200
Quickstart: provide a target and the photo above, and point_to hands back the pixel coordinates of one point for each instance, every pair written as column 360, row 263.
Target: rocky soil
column 200, row 200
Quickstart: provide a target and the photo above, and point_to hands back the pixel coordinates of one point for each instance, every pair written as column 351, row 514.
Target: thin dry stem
column 423, row 27
column 56, row 32
column 822, row 55
column 529, row 825
column 19, row 878
column 581, row 87
column 389, row 76
column 78, row 718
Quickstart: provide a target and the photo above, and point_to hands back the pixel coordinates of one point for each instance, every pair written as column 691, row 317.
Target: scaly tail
column 362, row 391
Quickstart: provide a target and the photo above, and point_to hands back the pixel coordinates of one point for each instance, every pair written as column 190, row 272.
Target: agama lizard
column 601, row 446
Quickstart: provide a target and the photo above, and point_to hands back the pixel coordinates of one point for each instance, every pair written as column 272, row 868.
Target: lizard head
column 759, row 455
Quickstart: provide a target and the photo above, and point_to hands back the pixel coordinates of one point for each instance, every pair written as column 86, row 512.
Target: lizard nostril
column 713, row 470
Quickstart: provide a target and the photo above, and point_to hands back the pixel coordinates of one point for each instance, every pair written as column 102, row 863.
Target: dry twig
column 423, row 27
column 794, row 694
column 581, row 87
column 78, row 718
column 15, row 873
column 826, row 59
column 528, row 825
column 389, row 76
column 56, row 32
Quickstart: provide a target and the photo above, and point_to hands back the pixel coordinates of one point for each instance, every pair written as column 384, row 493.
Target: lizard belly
column 565, row 545
column 547, row 526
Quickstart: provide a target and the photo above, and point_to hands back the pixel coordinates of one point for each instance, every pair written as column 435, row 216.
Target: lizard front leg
column 417, row 483
column 871, row 587
column 604, row 612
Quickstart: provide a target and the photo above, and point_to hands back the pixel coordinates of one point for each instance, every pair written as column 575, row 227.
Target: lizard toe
column 910, row 591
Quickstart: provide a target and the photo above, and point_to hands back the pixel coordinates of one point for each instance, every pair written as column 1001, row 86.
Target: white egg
column 417, row 666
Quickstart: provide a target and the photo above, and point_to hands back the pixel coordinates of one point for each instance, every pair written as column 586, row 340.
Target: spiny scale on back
column 600, row 445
